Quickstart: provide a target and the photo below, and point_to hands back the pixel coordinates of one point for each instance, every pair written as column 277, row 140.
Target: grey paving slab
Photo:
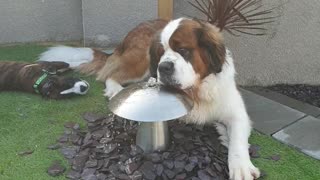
column 269, row 116
column 285, row 100
column 303, row 135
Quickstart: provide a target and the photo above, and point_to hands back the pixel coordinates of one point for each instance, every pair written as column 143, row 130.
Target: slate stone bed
column 106, row 150
column 302, row 92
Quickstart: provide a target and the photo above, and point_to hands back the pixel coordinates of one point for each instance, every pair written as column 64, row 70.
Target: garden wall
column 106, row 22
column 40, row 20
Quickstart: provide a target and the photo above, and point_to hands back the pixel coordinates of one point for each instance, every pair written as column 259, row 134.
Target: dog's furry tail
column 85, row 60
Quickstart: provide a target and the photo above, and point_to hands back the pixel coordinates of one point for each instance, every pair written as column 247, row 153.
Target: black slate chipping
column 275, row 157
column 170, row 174
column 26, row 152
column 302, row 92
column 159, row 169
column 69, row 152
column 54, row 146
column 74, row 175
column 56, row 169
column 107, row 150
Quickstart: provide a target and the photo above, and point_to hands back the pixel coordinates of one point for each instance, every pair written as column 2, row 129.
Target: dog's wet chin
column 169, row 81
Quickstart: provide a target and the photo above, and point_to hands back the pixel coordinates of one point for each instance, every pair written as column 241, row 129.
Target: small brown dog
column 41, row 78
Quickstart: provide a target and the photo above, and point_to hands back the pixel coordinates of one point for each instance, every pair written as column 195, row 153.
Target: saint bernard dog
column 184, row 53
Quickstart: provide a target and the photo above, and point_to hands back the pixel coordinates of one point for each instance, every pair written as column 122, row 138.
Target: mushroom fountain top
column 152, row 105
column 145, row 102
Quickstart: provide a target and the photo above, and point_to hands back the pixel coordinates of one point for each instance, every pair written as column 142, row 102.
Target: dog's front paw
column 110, row 92
column 241, row 169
column 112, row 88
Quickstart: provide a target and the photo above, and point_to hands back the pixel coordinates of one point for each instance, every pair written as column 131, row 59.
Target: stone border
column 285, row 100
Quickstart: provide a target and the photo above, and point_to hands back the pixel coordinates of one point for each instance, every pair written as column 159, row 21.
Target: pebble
column 181, row 157
column 169, row 173
column 168, row 163
column 101, row 176
column 123, row 177
column 131, row 167
column 179, row 164
column 165, row 155
column 91, row 163
column 105, row 140
column 254, row 151
column 69, row 124
column 54, row 146
column 76, row 126
column 64, row 138
column 147, row 170
column 90, row 177
column 159, row 169
column 56, row 169
column 275, row 157
column 26, row 152
column 178, row 135
column 74, row 175
column 135, row 150
column 68, row 152
column 137, row 175
column 181, row 176
column 79, row 162
column 91, row 117
column 88, row 173
column 189, row 167
column 203, row 175
column 255, row 154
column 218, row 167
column 154, row 157
column 74, row 138
column 109, row 148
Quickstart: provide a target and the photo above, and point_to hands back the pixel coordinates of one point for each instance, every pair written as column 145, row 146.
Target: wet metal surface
column 153, row 136
column 139, row 102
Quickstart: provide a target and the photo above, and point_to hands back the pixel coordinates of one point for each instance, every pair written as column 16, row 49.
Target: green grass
column 30, row 122
column 293, row 165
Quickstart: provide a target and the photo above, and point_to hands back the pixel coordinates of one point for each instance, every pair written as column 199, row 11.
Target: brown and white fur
column 186, row 54
column 20, row 76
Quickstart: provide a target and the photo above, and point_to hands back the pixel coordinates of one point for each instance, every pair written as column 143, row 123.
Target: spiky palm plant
column 236, row 16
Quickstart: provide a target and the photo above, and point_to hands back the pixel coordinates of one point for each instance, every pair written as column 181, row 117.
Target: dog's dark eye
column 185, row 53
column 160, row 51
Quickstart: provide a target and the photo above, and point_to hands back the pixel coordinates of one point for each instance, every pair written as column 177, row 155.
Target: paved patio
column 290, row 121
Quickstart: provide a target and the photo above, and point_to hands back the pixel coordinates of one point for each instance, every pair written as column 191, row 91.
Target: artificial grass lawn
column 30, row 122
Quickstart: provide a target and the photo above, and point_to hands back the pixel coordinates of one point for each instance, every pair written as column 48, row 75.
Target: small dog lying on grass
column 42, row 78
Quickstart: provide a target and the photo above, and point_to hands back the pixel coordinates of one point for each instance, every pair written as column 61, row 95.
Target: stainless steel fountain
column 152, row 105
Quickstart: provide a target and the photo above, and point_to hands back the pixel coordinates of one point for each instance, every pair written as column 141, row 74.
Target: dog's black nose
column 83, row 88
column 166, row 68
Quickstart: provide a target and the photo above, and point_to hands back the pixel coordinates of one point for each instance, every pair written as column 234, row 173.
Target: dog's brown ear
column 56, row 66
column 212, row 48
column 155, row 53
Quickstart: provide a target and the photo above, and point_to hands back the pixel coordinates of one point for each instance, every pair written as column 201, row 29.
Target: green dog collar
column 40, row 79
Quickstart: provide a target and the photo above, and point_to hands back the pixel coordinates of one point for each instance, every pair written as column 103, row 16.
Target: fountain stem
column 153, row 136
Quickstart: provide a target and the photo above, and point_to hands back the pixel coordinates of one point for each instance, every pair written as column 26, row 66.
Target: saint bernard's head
column 185, row 52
